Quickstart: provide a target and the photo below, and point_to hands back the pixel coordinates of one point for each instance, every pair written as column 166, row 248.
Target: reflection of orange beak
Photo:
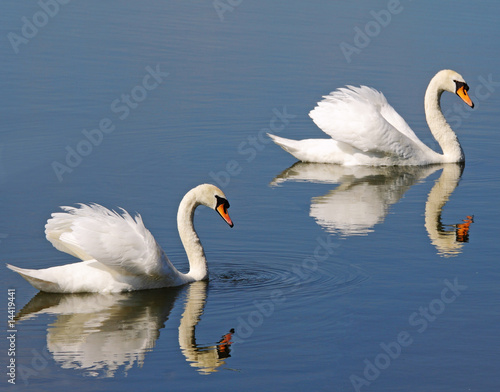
column 462, row 231
column 224, row 346
column 221, row 209
column 462, row 93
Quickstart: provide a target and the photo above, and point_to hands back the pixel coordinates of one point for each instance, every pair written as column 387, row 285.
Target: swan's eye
column 223, row 202
column 460, row 85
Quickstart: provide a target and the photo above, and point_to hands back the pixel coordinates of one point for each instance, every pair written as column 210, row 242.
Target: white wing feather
column 362, row 118
column 121, row 242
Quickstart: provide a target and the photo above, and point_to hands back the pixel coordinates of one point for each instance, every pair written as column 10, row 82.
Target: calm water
column 333, row 279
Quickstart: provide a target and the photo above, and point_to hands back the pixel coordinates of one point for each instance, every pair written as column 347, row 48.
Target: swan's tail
column 312, row 150
column 290, row 146
column 31, row 276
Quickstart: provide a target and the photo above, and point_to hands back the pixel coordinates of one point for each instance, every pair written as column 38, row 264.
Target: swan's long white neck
column 198, row 269
column 447, row 139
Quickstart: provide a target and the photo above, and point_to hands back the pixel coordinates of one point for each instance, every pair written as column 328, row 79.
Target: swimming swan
column 118, row 252
column 366, row 130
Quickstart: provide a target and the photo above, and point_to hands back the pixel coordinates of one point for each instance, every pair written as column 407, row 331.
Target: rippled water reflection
column 364, row 195
column 100, row 335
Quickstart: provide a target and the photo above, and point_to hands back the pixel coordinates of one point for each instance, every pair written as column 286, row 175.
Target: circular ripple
column 289, row 273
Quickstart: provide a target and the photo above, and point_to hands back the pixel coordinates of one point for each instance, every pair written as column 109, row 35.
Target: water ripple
column 289, row 273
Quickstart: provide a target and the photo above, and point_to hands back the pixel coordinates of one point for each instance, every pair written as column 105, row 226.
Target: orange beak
column 222, row 210
column 462, row 93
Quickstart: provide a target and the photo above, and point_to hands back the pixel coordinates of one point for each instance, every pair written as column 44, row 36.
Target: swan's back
column 362, row 118
column 119, row 241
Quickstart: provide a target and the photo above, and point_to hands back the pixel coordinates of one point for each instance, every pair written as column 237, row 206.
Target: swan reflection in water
column 102, row 334
column 205, row 358
column 365, row 193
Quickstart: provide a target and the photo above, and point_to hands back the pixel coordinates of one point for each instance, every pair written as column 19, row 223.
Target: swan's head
column 453, row 82
column 212, row 197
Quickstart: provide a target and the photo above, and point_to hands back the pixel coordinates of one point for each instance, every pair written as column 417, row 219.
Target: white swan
column 366, row 130
column 118, row 252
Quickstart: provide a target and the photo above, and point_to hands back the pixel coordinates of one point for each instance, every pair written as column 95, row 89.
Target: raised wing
column 362, row 118
column 119, row 241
